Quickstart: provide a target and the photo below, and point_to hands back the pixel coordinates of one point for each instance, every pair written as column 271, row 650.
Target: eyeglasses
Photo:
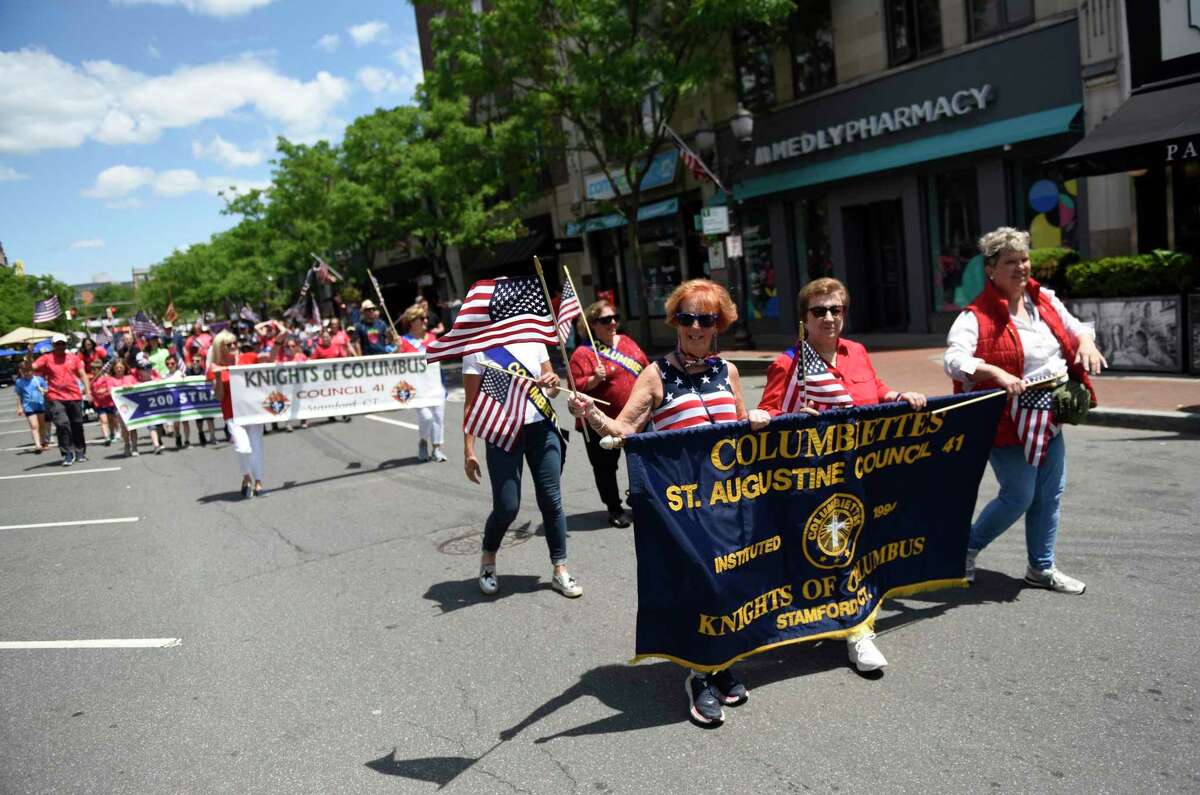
column 820, row 311
column 608, row 320
column 687, row 319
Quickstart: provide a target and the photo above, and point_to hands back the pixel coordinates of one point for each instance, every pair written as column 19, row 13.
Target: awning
column 520, row 250
column 1149, row 129
column 1042, row 124
column 613, row 220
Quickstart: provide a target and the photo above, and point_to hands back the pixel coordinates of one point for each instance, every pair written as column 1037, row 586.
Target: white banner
column 332, row 387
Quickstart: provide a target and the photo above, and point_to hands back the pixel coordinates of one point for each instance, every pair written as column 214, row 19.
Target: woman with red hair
column 691, row 386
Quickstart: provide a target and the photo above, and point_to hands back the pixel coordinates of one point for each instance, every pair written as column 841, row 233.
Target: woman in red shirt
column 606, row 372
column 102, row 402
column 118, row 376
column 827, row 372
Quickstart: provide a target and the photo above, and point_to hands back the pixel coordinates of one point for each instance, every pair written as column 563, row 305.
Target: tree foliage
column 18, row 294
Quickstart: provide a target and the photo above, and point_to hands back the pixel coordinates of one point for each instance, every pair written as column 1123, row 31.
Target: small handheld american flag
column 813, row 383
column 498, row 413
column 45, row 311
column 568, row 308
column 1033, row 413
column 143, row 326
column 497, row 312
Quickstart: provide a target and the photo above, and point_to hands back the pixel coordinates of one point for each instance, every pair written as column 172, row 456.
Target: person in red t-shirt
column 197, row 344
column 327, row 348
column 247, row 439
column 119, row 376
column 102, row 402
column 607, row 372
column 90, row 352
column 287, row 351
column 67, row 385
column 339, row 337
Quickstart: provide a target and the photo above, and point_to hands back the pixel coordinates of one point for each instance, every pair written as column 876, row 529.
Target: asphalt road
column 332, row 639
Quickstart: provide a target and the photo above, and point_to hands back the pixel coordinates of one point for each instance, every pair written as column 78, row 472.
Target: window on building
column 914, row 29
column 754, row 59
column 992, row 16
column 762, row 300
column 957, row 270
column 810, row 29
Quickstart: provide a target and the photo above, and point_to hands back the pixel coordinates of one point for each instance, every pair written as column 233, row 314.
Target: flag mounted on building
column 497, row 312
column 692, row 161
column 45, row 311
column 569, row 308
column 498, row 413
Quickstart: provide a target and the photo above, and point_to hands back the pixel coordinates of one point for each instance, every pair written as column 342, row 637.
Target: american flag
column 692, row 161
column 813, row 383
column 325, row 274
column 45, row 311
column 497, row 312
column 568, row 308
column 1033, row 412
column 170, row 315
column 247, row 314
column 104, row 335
column 142, row 326
column 498, row 413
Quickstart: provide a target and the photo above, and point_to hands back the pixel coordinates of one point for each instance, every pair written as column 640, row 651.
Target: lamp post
column 742, row 127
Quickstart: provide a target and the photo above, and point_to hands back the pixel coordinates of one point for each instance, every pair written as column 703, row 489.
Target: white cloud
column 92, row 243
column 329, row 42
column 153, row 51
column 124, row 204
column 367, row 32
column 212, row 8
column 408, row 58
column 46, row 103
column 118, row 182
column 10, row 174
column 227, row 154
column 377, row 81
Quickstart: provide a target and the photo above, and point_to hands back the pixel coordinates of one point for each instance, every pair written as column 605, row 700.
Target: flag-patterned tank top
column 694, row 398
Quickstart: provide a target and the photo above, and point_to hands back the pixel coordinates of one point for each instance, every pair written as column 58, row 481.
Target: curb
column 1146, row 420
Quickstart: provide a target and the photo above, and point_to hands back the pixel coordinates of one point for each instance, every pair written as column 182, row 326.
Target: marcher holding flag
column 690, row 387
column 825, row 371
column 606, row 368
column 1014, row 332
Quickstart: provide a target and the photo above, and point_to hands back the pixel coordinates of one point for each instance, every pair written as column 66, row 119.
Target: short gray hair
column 1006, row 238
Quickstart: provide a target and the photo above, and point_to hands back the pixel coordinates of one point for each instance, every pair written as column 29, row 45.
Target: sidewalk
column 1154, row 402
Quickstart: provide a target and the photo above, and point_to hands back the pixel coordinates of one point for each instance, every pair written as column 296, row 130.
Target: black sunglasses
column 819, row 311
column 687, row 319
column 608, row 320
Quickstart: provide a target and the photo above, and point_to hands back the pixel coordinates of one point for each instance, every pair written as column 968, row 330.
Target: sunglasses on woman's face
column 608, row 320
column 819, row 311
column 687, row 319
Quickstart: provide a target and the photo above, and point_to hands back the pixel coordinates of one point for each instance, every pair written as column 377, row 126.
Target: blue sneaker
column 68, row 459
column 732, row 691
column 705, row 700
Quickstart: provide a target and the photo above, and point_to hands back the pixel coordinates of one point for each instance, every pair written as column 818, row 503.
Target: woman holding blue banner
column 690, row 387
column 1015, row 331
column 606, row 371
column 825, row 371
column 247, row 439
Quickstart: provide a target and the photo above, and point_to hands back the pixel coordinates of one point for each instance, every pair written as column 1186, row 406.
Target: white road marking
column 119, row 520
column 109, row 643
column 57, row 474
column 18, row 430
column 408, row 425
column 14, row 419
column 20, row 447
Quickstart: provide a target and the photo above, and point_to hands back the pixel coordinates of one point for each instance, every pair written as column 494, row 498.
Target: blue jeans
column 1025, row 489
column 540, row 445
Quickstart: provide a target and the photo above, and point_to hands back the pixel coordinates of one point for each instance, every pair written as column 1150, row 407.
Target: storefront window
column 811, row 29
column 762, row 299
column 992, row 16
column 914, row 29
column 1044, row 204
column 953, row 201
column 661, row 266
column 754, row 57
column 1186, row 182
column 810, row 226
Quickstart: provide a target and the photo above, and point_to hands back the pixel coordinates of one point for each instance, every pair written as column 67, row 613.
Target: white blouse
column 1043, row 354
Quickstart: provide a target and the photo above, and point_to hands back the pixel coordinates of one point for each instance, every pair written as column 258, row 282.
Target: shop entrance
column 875, row 266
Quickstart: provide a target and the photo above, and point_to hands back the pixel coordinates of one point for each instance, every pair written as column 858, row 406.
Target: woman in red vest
column 1014, row 332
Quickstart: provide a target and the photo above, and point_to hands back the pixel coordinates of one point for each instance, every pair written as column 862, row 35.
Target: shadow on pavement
column 456, row 594
column 592, row 520
column 650, row 695
column 440, row 770
column 236, row 496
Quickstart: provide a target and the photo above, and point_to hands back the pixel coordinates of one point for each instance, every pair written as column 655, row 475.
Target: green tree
column 613, row 70
column 18, row 294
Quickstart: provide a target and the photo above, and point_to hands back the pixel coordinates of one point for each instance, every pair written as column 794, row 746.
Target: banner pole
column 586, row 325
column 491, row 366
column 562, row 342
column 991, row 395
column 382, row 303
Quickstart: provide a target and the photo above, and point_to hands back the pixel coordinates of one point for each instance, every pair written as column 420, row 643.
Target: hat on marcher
column 58, row 338
column 142, row 361
column 367, row 304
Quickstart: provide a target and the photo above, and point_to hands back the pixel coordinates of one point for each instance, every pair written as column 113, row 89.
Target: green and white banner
column 172, row 400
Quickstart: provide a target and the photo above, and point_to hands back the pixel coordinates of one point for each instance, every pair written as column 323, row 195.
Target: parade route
column 330, row 637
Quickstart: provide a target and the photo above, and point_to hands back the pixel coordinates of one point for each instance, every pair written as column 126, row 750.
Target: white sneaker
column 864, row 654
column 969, row 573
column 1053, row 579
column 487, row 578
column 438, row 455
column 566, row 585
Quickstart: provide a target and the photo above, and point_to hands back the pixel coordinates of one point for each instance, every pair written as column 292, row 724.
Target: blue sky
column 119, row 119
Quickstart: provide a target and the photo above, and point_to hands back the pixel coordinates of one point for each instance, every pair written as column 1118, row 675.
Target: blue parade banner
column 155, row 402
column 748, row 540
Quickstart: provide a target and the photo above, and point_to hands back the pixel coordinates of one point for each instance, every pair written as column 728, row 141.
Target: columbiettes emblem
column 276, row 403
column 831, row 533
column 404, row 392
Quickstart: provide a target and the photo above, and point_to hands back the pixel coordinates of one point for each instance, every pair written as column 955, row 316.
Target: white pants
column 248, row 444
column 431, row 422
